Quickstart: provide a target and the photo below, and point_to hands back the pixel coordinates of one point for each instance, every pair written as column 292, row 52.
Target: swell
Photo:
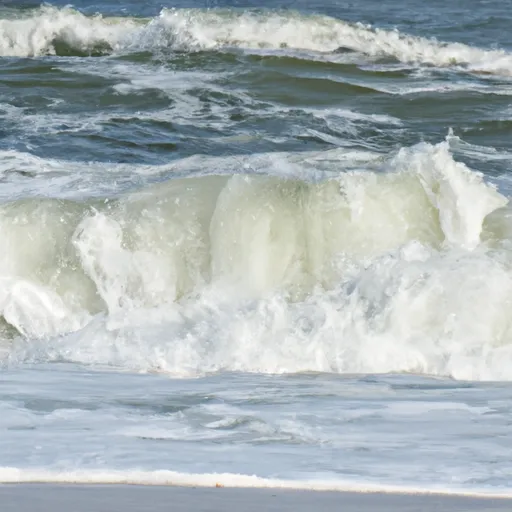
column 52, row 31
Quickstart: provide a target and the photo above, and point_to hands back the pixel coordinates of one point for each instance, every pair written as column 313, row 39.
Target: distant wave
column 52, row 31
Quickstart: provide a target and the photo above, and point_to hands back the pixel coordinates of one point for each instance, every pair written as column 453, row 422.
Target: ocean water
column 257, row 244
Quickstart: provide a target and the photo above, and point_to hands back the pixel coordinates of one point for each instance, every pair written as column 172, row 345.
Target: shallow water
column 256, row 240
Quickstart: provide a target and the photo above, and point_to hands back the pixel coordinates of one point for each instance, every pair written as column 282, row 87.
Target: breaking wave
column 407, row 269
column 49, row 31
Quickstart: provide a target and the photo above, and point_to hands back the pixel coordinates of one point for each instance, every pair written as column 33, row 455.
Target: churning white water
column 402, row 269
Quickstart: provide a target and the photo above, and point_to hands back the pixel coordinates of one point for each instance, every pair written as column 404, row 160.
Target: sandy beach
column 128, row 498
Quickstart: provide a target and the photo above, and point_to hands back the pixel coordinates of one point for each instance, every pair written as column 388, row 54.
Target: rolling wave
column 52, row 31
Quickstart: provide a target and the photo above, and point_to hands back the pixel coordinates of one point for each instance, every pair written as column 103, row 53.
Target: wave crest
column 53, row 31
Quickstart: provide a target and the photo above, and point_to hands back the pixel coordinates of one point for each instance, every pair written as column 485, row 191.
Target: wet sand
column 132, row 498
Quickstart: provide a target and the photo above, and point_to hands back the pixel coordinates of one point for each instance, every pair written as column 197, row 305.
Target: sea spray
column 372, row 271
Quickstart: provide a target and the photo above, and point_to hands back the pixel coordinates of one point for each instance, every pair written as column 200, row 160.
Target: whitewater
column 256, row 247
column 50, row 30
column 367, row 272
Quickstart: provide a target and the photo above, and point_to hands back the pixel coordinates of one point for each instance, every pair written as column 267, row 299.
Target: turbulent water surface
column 257, row 245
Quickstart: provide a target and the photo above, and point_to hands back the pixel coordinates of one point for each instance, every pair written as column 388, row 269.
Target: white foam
column 38, row 32
column 71, row 179
column 194, row 29
column 35, row 310
column 67, row 178
column 213, row 29
column 13, row 475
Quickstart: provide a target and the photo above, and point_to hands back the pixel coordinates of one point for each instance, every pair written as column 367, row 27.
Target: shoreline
column 168, row 478
column 34, row 497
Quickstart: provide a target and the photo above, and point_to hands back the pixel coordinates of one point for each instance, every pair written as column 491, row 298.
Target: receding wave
column 408, row 269
column 52, row 31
